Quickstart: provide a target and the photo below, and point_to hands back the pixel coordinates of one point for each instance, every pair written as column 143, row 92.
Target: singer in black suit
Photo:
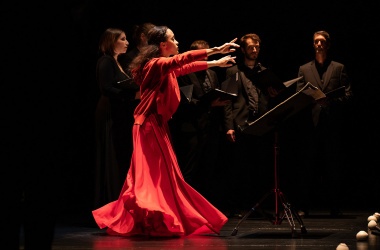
column 251, row 157
column 321, row 142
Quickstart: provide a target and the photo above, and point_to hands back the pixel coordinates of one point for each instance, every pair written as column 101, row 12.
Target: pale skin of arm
column 223, row 49
column 231, row 135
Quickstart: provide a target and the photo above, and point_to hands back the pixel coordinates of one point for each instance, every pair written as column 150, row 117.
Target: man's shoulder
column 211, row 71
column 312, row 62
column 232, row 70
column 185, row 79
column 337, row 63
column 309, row 63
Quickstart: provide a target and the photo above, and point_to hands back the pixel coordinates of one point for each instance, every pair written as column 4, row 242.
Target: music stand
column 271, row 120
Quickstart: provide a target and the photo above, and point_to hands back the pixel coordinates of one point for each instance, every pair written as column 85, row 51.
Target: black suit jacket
column 249, row 96
column 198, row 113
column 334, row 76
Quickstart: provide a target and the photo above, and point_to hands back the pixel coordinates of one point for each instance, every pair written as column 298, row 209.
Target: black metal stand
column 270, row 121
column 279, row 215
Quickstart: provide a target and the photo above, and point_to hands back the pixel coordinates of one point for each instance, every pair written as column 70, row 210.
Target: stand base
column 288, row 212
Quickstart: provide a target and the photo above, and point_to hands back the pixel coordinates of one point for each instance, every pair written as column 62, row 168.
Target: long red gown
column 155, row 200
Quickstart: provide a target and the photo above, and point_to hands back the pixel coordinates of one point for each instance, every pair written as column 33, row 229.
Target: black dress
column 113, row 127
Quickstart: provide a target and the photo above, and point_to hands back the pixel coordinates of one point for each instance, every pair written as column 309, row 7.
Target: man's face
column 251, row 51
column 320, row 43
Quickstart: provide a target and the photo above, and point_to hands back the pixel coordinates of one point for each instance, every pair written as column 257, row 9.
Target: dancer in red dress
column 155, row 200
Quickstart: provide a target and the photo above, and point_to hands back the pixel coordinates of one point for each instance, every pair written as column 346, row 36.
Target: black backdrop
column 50, row 97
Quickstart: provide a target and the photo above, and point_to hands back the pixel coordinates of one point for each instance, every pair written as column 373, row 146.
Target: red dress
column 155, row 200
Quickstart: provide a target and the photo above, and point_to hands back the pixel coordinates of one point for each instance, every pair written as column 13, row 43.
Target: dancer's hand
column 223, row 62
column 224, row 49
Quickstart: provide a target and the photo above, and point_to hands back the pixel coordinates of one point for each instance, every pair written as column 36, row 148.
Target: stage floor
column 254, row 232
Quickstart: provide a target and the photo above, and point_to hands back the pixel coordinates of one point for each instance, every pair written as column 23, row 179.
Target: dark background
column 49, row 91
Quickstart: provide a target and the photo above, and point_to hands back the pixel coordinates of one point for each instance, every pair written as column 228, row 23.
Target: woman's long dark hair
column 156, row 35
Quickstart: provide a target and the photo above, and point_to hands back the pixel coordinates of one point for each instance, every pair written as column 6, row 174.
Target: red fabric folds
column 161, row 203
column 155, row 200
